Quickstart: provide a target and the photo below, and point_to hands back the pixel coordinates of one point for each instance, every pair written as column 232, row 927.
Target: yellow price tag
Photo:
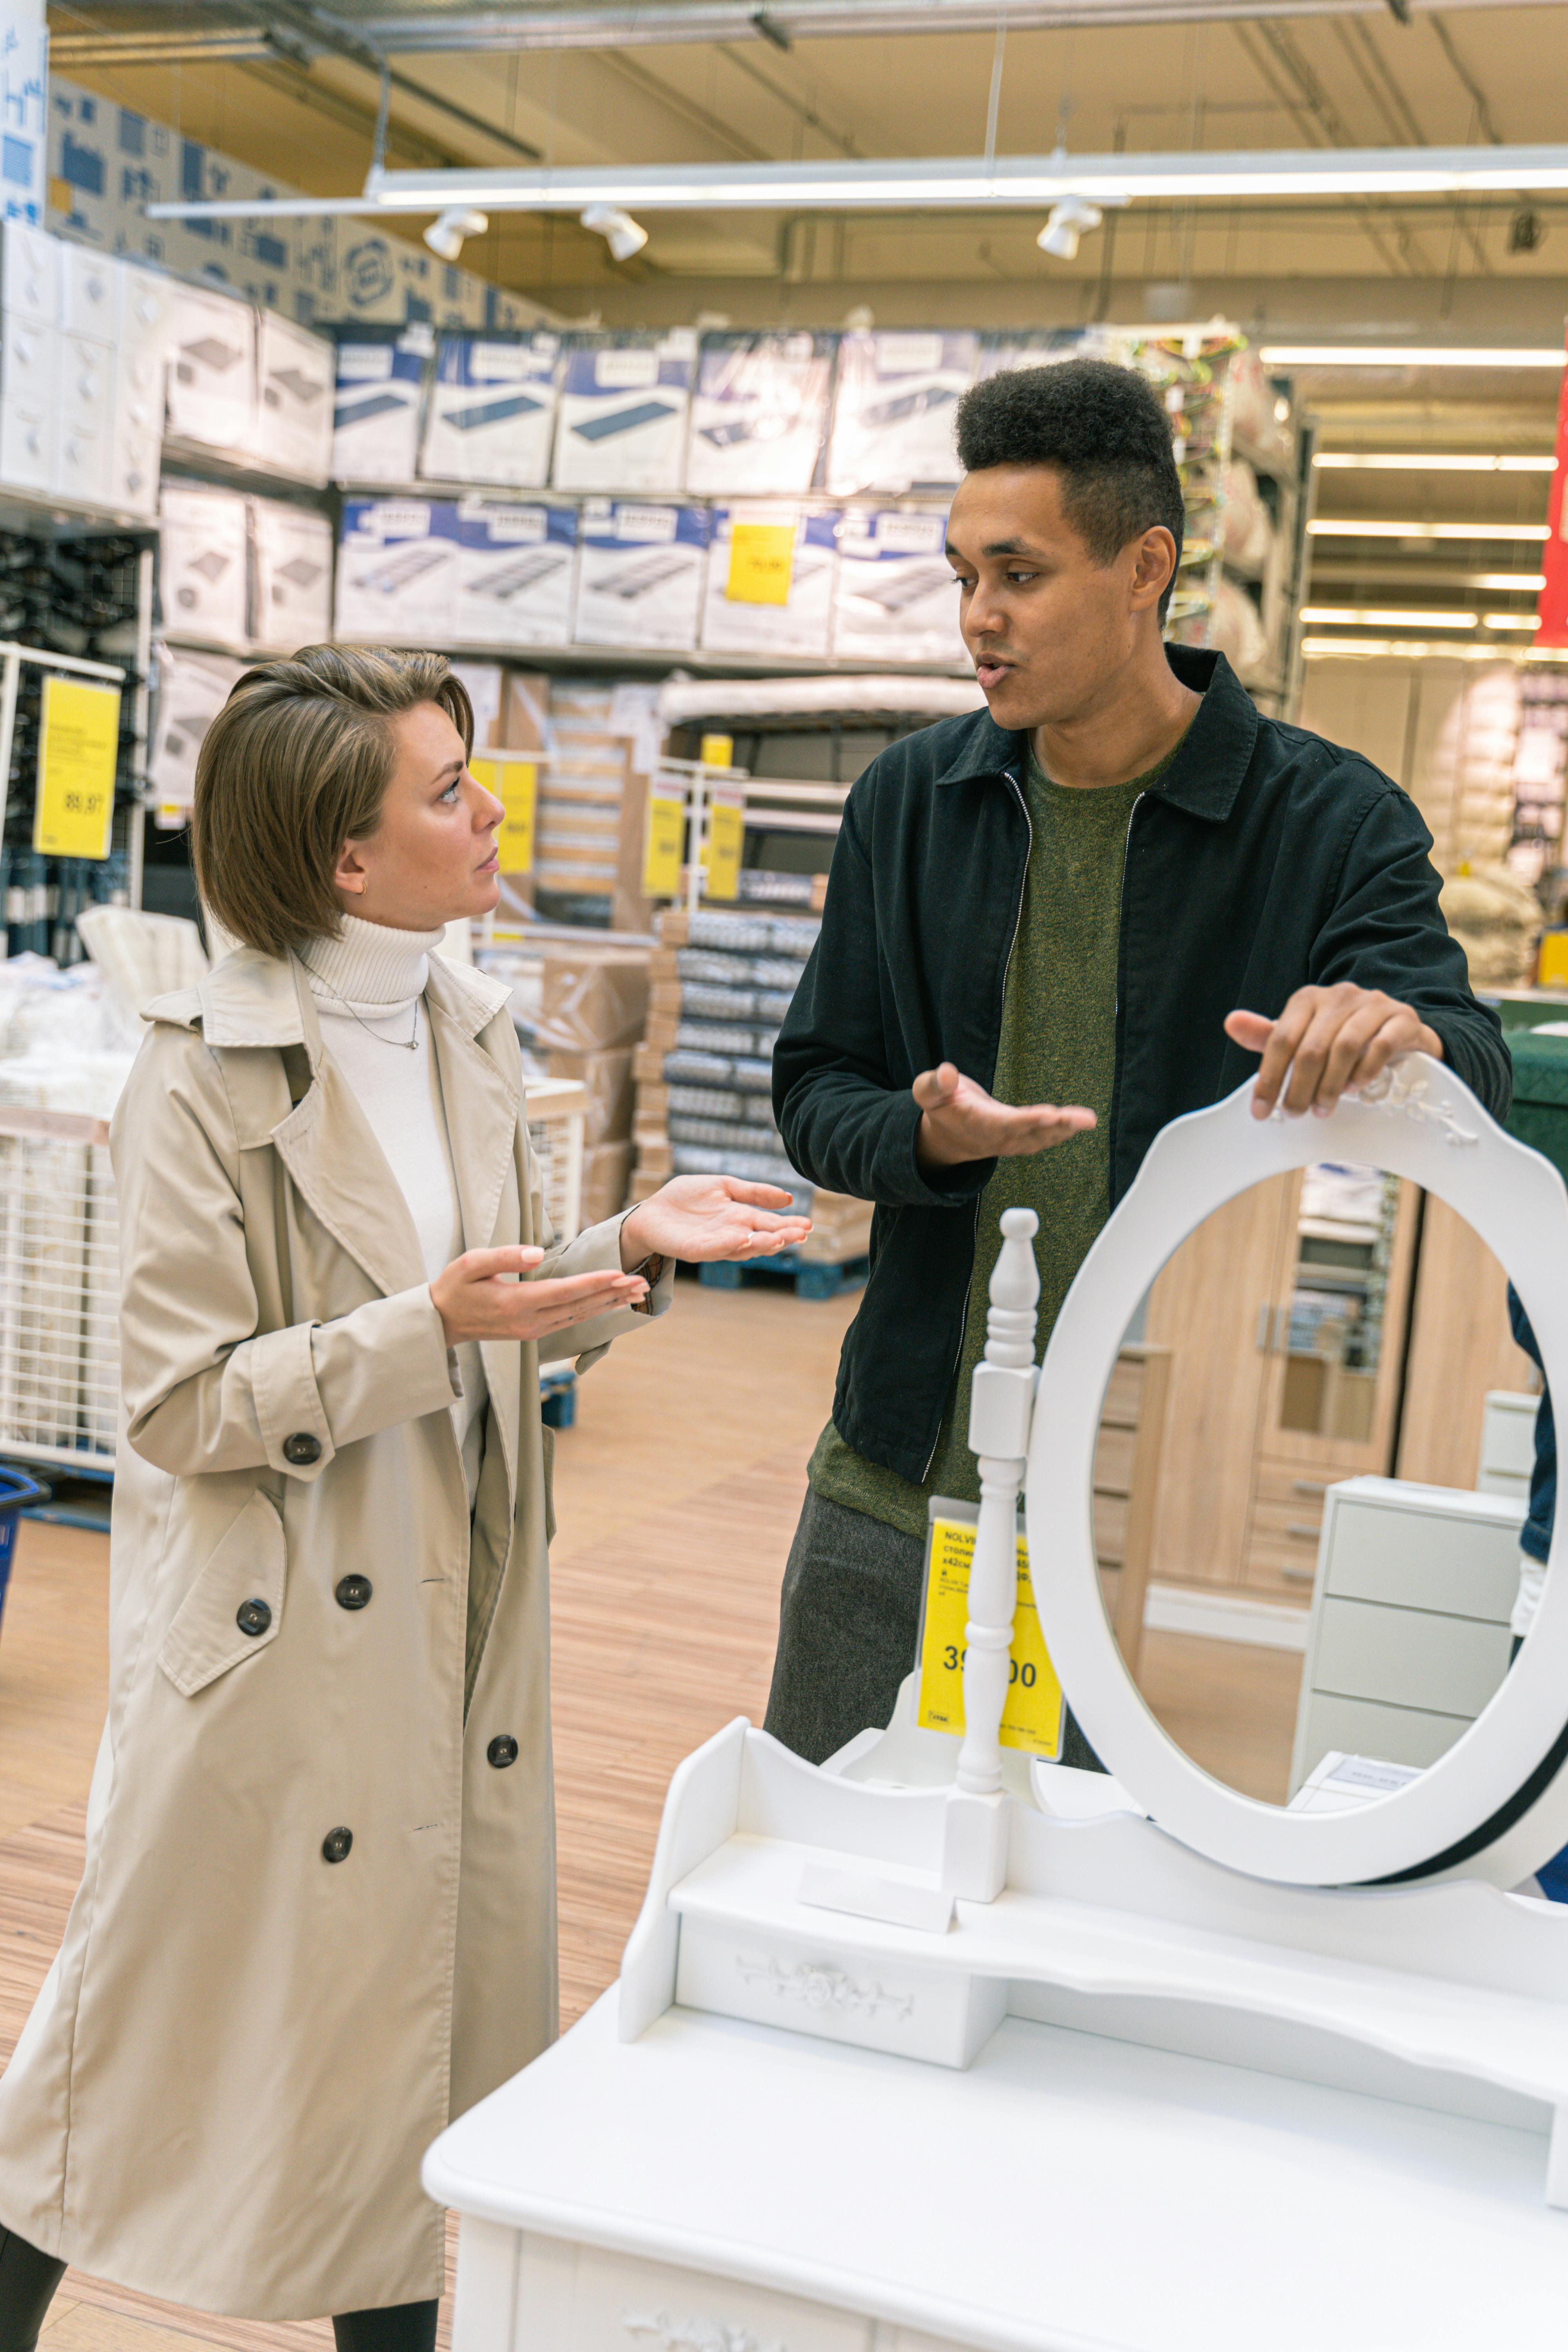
column 664, row 845
column 762, row 563
column 78, row 743
column 1032, row 1718
column 515, row 783
column 726, row 840
column 718, row 751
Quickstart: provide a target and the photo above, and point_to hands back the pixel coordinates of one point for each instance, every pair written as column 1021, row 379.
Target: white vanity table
column 1045, row 2077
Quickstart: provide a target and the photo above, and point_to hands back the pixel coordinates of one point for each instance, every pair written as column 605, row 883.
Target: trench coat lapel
column 326, row 1142
column 482, row 1103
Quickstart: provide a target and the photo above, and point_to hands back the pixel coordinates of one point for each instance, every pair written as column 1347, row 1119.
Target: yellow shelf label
column 78, row 741
column 726, row 839
column 1032, row 1718
column 762, row 563
column 515, row 783
column 664, row 847
column 718, row 751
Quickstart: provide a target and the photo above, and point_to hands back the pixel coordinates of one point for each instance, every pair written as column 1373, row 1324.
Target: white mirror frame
column 1478, row 1798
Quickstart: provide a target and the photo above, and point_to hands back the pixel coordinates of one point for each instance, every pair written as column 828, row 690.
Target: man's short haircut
column 1102, row 426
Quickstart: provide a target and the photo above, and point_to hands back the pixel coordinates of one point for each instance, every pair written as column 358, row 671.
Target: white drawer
column 1359, row 1727
column 31, row 269
column 27, row 437
column 1450, row 1555
column 85, row 381
column 29, row 364
column 939, row 2014
column 1408, row 1657
column 84, row 470
column 89, row 292
column 574, row 2298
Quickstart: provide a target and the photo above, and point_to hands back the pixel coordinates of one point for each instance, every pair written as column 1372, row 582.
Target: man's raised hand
column 960, row 1121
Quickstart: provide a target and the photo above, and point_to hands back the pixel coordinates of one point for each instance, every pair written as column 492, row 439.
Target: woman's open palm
column 703, row 1218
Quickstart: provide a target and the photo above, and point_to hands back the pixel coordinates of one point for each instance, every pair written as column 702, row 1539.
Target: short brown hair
column 296, row 763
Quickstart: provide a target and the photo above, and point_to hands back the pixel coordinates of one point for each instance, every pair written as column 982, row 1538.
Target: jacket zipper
column 1018, row 918
column 1116, row 1008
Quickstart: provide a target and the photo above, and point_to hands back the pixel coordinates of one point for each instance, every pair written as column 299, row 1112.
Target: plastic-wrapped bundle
column 717, row 1037
column 708, row 1002
column 749, row 1074
column 697, row 967
column 718, row 1102
column 698, row 1160
column 782, row 935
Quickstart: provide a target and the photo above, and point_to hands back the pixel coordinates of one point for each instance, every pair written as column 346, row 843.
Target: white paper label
column 364, row 362
column 510, row 526
column 625, row 371
column 500, row 362
column 408, row 521
column 908, row 354
column 645, row 523
column 909, row 534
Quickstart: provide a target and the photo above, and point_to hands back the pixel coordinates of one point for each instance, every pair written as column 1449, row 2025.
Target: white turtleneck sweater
column 368, row 985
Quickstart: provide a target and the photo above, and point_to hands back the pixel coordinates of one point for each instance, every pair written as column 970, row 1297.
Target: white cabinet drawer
column 583, row 2299
column 1360, row 1726
column 1460, row 1556
column 89, row 292
column 1408, row 1657
column 30, row 270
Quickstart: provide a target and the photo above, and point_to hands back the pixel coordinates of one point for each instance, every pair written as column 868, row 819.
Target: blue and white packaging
column 517, row 569
column 491, row 416
column 1041, row 347
column 893, row 410
column 376, row 408
column 759, row 415
column 895, row 595
column 624, row 406
column 397, row 573
column 803, row 624
column 639, row 574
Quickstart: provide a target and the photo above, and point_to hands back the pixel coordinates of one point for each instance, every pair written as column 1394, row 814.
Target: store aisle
column 676, row 1494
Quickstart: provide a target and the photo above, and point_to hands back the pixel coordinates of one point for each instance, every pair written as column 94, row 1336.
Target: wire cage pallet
column 59, row 1269
column 59, row 1290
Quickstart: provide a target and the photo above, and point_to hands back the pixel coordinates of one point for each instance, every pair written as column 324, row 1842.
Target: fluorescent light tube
column 1512, row 621
column 1353, row 527
column 1529, row 583
column 1378, row 617
column 1438, row 649
column 1421, row 355
column 1419, row 461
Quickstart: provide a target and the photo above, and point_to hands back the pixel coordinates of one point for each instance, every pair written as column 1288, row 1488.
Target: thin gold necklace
column 409, row 1045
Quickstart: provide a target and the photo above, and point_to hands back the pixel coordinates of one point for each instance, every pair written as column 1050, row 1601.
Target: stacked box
column 719, row 984
column 493, row 410
column 578, row 822
column 593, row 1003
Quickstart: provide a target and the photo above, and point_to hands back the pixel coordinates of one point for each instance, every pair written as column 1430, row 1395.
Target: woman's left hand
column 701, row 1218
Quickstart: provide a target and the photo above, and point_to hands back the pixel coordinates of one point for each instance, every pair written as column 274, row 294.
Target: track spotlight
column 1068, row 221
column 623, row 235
column 445, row 237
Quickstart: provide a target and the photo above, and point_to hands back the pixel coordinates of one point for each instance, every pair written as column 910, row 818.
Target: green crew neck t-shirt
column 1058, row 1045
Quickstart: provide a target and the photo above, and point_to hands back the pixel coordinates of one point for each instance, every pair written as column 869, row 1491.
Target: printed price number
column 515, row 783
column 664, row 844
column 78, row 745
column 1032, row 1717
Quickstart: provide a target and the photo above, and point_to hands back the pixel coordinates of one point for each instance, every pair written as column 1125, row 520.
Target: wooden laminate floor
column 676, row 1494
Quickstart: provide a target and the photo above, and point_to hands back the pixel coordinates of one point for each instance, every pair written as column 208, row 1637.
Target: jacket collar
column 1207, row 771
column 251, row 999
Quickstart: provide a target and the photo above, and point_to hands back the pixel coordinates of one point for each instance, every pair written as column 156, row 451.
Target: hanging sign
column 664, row 844
column 79, row 744
column 1551, row 607
column 726, row 840
column 1032, row 1717
column 762, row 563
column 515, row 783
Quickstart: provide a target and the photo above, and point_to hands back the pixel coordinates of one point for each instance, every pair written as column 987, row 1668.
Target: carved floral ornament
column 818, row 1986
column 1496, row 1804
column 699, row 2335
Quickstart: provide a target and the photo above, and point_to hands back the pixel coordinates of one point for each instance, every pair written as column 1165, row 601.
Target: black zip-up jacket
column 1264, row 859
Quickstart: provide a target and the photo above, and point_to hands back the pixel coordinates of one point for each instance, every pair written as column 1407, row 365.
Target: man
column 1052, row 927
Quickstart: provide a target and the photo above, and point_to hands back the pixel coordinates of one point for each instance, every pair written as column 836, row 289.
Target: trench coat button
column 502, row 1750
column 302, row 1448
column 353, row 1592
column 253, row 1616
column 335, row 1846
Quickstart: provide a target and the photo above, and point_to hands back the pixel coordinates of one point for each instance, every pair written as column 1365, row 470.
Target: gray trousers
column 850, row 1616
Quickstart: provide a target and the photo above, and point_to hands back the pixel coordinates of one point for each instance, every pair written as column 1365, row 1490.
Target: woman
column 317, row 1918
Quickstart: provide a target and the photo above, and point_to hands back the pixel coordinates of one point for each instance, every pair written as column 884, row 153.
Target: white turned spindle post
column 1001, row 1404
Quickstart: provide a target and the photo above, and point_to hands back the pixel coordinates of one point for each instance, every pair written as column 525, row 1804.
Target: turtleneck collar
column 369, row 966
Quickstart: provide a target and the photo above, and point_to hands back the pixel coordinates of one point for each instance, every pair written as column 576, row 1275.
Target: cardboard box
column 295, row 372
column 624, row 403
column 398, row 569
column 607, row 1075
column 803, row 624
column 639, row 574
column 493, row 410
column 293, row 551
column 894, row 408
column 894, row 597
column 191, row 689
column 376, row 407
column 594, row 996
column 516, row 573
column 607, row 1172
column 758, row 414
column 211, row 369
column 204, row 544
column 525, row 710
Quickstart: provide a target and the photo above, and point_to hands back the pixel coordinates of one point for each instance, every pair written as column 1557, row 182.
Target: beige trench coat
column 242, row 2050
